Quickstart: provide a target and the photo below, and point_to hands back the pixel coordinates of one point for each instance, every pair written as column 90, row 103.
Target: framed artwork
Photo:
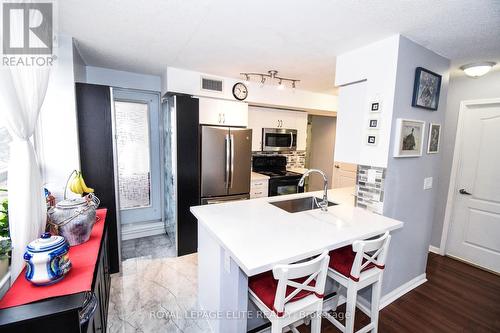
column 375, row 106
column 434, row 138
column 409, row 138
column 426, row 89
column 371, row 139
column 373, row 123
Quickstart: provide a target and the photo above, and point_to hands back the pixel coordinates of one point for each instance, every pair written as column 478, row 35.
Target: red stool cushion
column 341, row 260
column 264, row 286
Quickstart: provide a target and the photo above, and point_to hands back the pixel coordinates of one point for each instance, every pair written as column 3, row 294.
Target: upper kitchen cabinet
column 223, row 112
column 259, row 118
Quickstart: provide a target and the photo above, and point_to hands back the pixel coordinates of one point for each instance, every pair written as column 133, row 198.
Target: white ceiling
column 300, row 38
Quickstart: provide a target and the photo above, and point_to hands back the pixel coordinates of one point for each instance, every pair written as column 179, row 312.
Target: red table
column 79, row 279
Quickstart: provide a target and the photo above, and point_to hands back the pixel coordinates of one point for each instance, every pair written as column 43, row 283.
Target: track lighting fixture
column 273, row 75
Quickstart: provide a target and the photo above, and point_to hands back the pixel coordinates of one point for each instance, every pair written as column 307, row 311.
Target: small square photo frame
column 409, row 138
column 375, row 106
column 372, row 139
column 373, row 123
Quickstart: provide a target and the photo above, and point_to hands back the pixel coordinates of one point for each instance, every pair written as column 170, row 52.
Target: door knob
column 463, row 191
column 337, row 166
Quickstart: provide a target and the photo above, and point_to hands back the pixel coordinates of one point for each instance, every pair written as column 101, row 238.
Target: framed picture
column 409, row 138
column 375, row 106
column 426, row 89
column 371, row 139
column 434, row 138
column 373, row 123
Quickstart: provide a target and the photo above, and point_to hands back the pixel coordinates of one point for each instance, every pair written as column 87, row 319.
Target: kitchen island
column 241, row 239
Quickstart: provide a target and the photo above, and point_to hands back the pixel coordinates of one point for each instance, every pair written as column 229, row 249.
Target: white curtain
column 22, row 92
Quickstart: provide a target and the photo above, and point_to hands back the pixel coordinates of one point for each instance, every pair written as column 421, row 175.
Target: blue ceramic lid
column 45, row 243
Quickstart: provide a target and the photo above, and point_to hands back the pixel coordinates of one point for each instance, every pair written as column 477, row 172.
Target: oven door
column 284, row 186
column 279, row 139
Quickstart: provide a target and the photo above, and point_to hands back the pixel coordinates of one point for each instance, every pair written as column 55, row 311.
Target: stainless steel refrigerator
column 226, row 157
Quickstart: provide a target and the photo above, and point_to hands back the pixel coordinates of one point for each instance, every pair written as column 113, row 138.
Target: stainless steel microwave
column 279, row 139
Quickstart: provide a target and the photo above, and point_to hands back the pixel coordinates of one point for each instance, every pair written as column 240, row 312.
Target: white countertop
column 258, row 176
column 258, row 235
column 297, row 170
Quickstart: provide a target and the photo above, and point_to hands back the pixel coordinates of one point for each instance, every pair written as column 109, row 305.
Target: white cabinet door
column 209, row 112
column 257, row 119
column 234, row 113
column 301, row 126
column 222, row 112
column 287, row 119
column 344, row 174
column 259, row 188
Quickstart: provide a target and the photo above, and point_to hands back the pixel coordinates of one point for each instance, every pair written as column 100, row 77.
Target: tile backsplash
column 370, row 188
column 294, row 159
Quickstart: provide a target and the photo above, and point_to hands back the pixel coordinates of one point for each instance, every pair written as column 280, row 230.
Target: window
column 4, row 153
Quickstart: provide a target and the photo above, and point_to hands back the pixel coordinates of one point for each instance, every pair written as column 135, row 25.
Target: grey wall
column 321, row 150
column 405, row 198
column 461, row 88
column 122, row 79
column 79, row 66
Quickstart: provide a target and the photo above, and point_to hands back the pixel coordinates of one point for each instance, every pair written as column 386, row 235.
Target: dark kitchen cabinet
column 188, row 172
column 95, row 136
column 101, row 289
column 71, row 313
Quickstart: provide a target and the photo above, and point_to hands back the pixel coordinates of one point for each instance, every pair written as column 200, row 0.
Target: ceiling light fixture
column 477, row 69
column 273, row 75
column 281, row 86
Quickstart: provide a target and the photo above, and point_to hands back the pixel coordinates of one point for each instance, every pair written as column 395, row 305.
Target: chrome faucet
column 323, row 204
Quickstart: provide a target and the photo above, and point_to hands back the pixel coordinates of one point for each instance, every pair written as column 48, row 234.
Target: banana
column 76, row 186
column 72, row 184
column 84, row 186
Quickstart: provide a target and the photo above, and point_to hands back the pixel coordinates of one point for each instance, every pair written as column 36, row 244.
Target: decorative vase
column 47, row 259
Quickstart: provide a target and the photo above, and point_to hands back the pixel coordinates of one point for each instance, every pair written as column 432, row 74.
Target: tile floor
column 155, row 295
column 158, row 246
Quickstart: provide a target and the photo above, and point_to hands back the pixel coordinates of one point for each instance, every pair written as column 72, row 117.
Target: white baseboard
column 401, row 290
column 364, row 304
column 434, row 249
column 142, row 229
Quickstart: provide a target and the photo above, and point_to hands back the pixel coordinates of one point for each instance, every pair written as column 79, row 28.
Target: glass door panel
column 138, row 157
column 132, row 143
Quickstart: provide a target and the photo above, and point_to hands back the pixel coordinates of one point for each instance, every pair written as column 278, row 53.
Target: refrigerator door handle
column 228, row 143
column 232, row 161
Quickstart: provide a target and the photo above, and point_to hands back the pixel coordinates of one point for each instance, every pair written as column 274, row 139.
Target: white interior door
column 475, row 221
column 344, row 174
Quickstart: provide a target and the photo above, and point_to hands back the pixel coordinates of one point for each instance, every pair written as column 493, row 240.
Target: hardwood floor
column 456, row 298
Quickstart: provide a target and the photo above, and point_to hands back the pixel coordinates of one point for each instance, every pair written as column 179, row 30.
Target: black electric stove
column 281, row 181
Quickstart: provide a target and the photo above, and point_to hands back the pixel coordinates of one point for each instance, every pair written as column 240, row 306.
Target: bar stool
column 355, row 268
column 291, row 292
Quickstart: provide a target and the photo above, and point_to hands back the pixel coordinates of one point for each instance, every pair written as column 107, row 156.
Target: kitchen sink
column 300, row 204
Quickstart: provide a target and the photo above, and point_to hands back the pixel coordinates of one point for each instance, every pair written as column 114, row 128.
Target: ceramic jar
column 74, row 218
column 47, row 259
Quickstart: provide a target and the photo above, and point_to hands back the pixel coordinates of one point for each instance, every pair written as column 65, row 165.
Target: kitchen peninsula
column 244, row 238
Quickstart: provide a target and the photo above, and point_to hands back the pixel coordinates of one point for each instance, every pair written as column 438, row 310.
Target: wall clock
column 240, row 91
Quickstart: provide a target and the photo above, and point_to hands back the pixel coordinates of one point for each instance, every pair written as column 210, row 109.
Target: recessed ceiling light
column 477, row 69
